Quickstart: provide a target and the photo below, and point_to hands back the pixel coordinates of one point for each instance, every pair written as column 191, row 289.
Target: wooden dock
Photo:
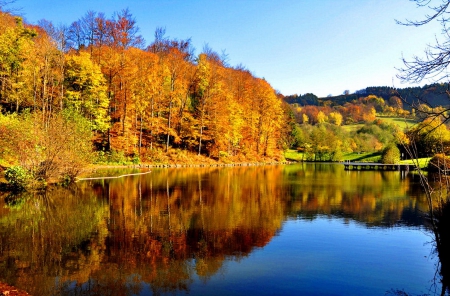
column 374, row 166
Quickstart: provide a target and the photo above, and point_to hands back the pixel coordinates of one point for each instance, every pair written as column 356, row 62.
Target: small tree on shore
column 390, row 155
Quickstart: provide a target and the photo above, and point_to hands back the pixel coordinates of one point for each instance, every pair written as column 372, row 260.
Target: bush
column 390, row 155
column 117, row 157
column 48, row 150
column 136, row 159
column 337, row 155
column 18, row 177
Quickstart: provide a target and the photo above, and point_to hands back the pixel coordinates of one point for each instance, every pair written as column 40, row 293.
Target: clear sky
column 299, row 46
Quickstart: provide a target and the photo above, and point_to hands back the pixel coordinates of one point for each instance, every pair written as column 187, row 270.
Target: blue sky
column 299, row 46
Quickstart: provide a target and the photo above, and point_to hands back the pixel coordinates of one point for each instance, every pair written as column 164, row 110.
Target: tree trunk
column 169, row 126
column 140, row 134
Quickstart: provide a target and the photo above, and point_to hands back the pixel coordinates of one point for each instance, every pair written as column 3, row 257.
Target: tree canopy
column 142, row 100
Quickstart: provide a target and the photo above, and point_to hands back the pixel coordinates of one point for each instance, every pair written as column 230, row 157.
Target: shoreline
column 93, row 167
column 186, row 165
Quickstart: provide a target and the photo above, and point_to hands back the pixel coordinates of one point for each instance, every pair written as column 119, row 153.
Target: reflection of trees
column 439, row 223
column 371, row 197
column 442, row 245
column 38, row 238
column 439, row 217
column 191, row 220
column 161, row 230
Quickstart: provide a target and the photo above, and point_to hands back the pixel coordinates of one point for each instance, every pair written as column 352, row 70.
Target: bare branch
column 438, row 11
column 5, row 3
column 434, row 65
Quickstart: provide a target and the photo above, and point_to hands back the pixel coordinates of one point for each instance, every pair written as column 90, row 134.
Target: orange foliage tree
column 141, row 101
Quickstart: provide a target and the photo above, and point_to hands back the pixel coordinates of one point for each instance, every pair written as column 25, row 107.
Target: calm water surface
column 269, row 230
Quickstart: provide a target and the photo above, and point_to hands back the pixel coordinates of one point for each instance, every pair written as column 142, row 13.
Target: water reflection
column 373, row 198
column 163, row 230
column 442, row 247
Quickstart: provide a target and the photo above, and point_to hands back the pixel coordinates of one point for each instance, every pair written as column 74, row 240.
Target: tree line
column 327, row 132
column 434, row 94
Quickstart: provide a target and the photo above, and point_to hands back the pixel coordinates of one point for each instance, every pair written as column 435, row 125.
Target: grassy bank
column 423, row 162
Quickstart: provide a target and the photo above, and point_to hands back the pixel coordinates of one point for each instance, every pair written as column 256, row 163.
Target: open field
column 294, row 155
column 401, row 122
column 363, row 157
column 423, row 162
column 352, row 127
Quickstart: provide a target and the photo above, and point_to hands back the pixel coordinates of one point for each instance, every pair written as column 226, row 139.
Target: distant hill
column 434, row 95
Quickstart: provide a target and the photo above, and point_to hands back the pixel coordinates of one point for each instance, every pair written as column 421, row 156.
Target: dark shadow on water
column 441, row 248
column 442, row 242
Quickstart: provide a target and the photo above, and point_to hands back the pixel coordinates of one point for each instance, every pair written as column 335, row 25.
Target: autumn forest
column 144, row 102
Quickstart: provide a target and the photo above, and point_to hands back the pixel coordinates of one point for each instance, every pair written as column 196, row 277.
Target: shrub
column 49, row 149
column 117, row 157
column 18, row 177
column 136, row 159
column 337, row 155
column 15, row 200
column 391, row 154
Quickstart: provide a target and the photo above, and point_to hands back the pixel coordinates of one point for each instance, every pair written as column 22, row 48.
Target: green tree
column 391, row 154
column 324, row 143
column 18, row 177
column 86, row 90
column 15, row 73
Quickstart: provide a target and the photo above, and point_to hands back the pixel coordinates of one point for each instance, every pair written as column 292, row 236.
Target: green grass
column 293, row 155
column 401, row 122
column 363, row 157
column 352, row 127
column 423, row 162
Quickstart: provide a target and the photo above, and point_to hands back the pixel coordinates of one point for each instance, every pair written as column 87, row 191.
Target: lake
column 301, row 229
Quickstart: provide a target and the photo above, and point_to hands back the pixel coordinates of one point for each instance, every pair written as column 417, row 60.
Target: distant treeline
column 434, row 95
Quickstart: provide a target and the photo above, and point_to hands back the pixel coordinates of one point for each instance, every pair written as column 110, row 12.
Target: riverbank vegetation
column 95, row 93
